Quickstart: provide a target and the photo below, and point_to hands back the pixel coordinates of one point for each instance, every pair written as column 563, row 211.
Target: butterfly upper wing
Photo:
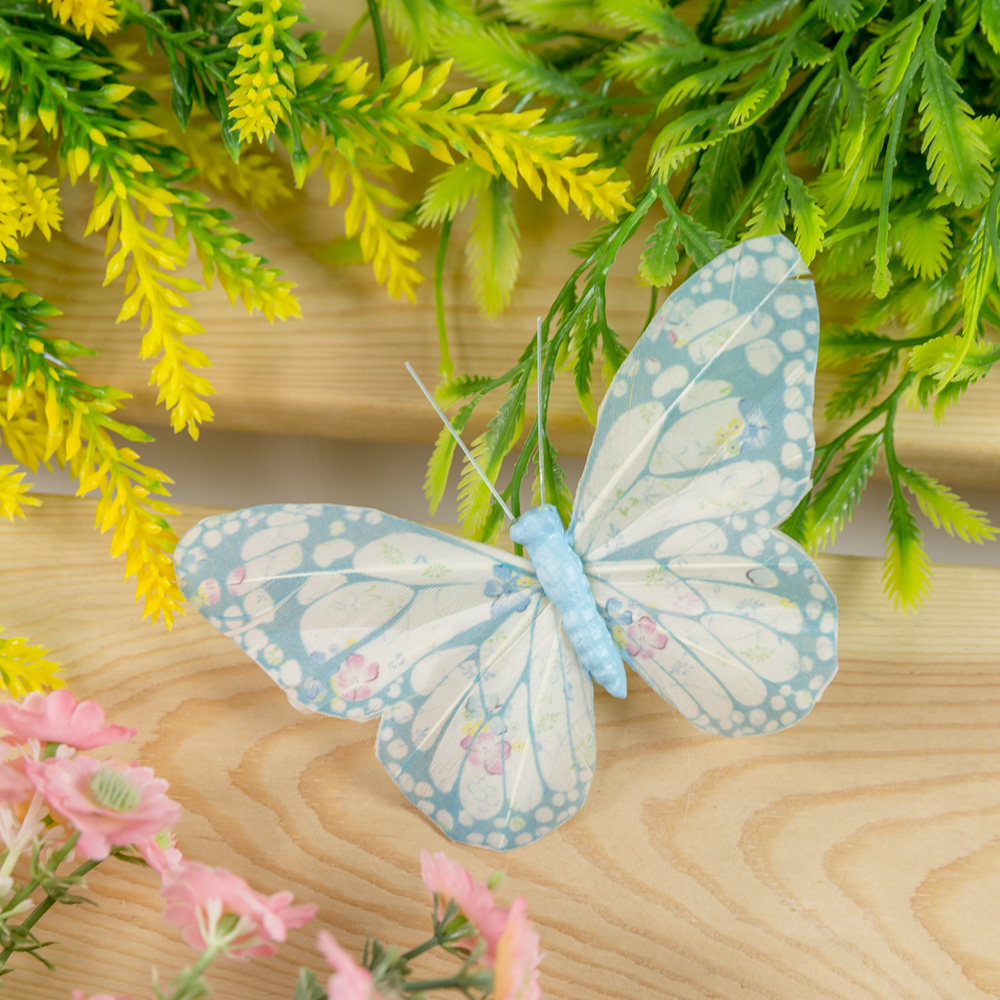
column 356, row 614
column 703, row 443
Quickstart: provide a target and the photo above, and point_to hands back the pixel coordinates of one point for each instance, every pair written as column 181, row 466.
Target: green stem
column 383, row 57
column 352, row 33
column 445, row 366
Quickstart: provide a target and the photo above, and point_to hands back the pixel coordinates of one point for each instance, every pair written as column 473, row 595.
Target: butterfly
column 480, row 663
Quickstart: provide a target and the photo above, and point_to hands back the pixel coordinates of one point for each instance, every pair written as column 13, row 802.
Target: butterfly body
column 480, row 663
column 560, row 573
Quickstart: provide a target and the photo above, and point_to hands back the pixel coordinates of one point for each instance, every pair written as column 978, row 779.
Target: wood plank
column 853, row 856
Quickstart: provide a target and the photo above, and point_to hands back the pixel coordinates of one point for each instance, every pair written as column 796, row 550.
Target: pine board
column 854, row 856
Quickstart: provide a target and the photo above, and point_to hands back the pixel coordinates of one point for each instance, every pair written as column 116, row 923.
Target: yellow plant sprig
column 29, row 199
column 368, row 130
column 24, row 668
column 13, row 492
column 87, row 15
column 265, row 81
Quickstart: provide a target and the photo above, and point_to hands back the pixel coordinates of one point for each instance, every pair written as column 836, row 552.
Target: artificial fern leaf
column 700, row 242
column 924, row 242
column 938, row 355
column 989, row 21
column 717, row 187
column 658, row 264
column 898, row 56
column 451, row 190
column 838, row 345
column 757, row 101
column 710, row 79
column 957, row 157
column 648, row 16
column 494, row 249
column 834, row 504
column 436, row 480
column 807, row 217
column 947, row 510
column 419, row 25
column 906, row 571
column 563, row 15
column 752, row 16
column 860, row 386
column 841, row 15
column 496, row 55
column 769, row 213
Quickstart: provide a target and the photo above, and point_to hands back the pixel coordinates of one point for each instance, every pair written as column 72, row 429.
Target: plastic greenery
column 868, row 128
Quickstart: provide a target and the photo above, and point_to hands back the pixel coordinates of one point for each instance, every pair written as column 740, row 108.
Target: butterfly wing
column 703, row 443
column 356, row 614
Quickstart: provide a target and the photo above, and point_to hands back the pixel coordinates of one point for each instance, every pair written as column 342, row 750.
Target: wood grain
column 854, row 856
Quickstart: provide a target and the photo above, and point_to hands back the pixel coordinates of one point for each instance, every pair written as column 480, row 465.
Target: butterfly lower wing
column 498, row 757
column 733, row 625
column 339, row 605
column 714, row 403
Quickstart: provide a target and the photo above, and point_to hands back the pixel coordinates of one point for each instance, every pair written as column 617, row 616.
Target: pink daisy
column 351, row 681
column 58, row 718
column 449, row 881
column 109, row 803
column 516, row 971
column 349, row 981
column 644, row 638
column 200, row 898
column 80, row 995
column 160, row 853
column 487, row 750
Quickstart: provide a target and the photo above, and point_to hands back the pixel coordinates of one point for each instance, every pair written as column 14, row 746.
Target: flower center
column 114, row 790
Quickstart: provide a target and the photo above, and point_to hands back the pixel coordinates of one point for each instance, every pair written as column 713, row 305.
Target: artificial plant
column 867, row 127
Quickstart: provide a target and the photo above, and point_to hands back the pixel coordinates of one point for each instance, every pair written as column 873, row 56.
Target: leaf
column 565, row 15
column 658, row 264
column 841, row 15
column 769, row 213
column 834, row 504
column 906, row 573
column 649, row 16
column 807, row 217
column 938, row 355
column 438, row 467
column 752, row 16
column 925, row 242
column 838, row 345
column 989, row 21
column 451, row 190
column 947, row 510
column 419, row 25
column 493, row 250
column 701, row 244
column 957, row 157
column 861, row 386
column 717, row 188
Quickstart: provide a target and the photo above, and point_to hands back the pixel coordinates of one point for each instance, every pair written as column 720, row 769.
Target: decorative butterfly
column 481, row 663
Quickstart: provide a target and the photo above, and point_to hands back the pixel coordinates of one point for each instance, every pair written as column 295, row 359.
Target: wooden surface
column 854, row 856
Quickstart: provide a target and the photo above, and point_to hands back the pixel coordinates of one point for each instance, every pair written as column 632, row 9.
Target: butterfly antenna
column 460, row 442
column 541, row 446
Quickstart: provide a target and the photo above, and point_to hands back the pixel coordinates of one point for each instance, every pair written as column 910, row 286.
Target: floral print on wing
column 755, row 432
column 234, row 580
column 487, row 750
column 507, row 590
column 617, row 617
column 644, row 638
column 209, row 591
column 351, row 681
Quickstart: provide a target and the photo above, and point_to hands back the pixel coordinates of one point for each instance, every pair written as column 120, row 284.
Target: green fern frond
column 957, row 157
column 897, row 56
column 717, row 187
column 947, row 510
column 711, row 79
column 834, row 503
column 769, row 213
column 924, row 242
column 494, row 54
column 839, row 345
column 438, row 467
column 989, row 21
column 753, row 16
column 649, row 16
column 494, row 249
column 938, row 355
column 419, row 26
column 861, row 386
column 451, row 191
column 459, row 387
column 841, row 15
column 906, row 574
column 807, row 217
column 644, row 60
column 658, row 263
column 563, row 15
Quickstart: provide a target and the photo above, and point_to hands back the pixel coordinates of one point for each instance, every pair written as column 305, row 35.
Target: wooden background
column 854, row 856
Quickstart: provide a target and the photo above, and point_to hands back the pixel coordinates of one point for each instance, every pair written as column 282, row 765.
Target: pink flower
column 160, row 853
column 107, row 802
column 449, row 881
column 517, row 958
column 14, row 785
column 200, row 898
column 487, row 751
column 644, row 638
column 57, row 718
column 351, row 681
column 349, row 981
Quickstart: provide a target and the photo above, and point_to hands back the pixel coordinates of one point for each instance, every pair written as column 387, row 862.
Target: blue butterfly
column 480, row 663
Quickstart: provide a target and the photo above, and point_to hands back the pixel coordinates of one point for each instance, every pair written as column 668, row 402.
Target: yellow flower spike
column 97, row 137
column 117, row 92
column 78, row 158
column 24, row 669
column 15, row 397
column 13, row 493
